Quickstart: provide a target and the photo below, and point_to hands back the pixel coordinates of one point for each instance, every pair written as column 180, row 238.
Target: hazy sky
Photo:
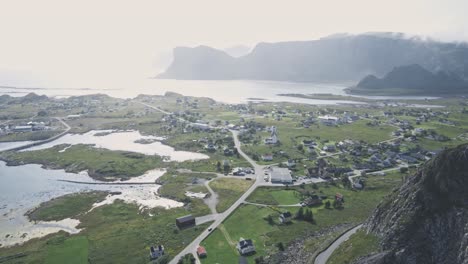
column 84, row 40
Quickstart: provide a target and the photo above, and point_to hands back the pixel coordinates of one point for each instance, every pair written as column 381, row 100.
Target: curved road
column 40, row 142
column 219, row 218
column 323, row 257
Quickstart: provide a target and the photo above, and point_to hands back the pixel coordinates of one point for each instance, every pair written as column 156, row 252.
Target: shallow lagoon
column 25, row 187
column 123, row 140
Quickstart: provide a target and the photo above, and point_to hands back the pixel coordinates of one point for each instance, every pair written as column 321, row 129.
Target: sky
column 87, row 41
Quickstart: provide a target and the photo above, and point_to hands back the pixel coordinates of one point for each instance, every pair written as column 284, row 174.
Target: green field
column 101, row 164
column 67, row 206
column 250, row 221
column 358, row 245
column 274, row 196
column 73, row 250
column 116, row 233
column 228, row 190
column 174, row 186
column 28, row 136
column 291, row 134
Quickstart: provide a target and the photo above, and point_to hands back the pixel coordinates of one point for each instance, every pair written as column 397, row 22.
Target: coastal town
column 310, row 172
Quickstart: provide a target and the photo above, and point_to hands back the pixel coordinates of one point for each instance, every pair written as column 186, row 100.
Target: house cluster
column 25, row 127
column 325, row 171
column 218, row 142
column 328, row 118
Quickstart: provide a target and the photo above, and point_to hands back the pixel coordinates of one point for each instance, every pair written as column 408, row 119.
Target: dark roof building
column 185, row 221
column 245, row 246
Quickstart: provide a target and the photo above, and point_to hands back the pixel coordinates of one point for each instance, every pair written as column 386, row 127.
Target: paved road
column 211, row 201
column 323, row 257
column 259, row 181
column 218, row 219
column 273, row 205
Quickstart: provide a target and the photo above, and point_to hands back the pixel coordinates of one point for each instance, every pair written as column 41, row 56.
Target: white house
column 285, row 217
column 273, row 139
column 245, row 246
column 280, row 175
column 156, row 252
column 22, row 128
column 201, row 126
column 329, row 120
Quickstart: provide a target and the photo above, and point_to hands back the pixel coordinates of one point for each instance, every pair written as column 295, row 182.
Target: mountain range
column 331, row 59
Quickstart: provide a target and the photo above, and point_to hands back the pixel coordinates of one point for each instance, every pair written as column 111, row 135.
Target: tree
column 300, row 148
column 42, row 113
column 346, row 182
column 309, row 216
column 259, row 260
column 300, row 214
column 280, row 246
column 269, row 219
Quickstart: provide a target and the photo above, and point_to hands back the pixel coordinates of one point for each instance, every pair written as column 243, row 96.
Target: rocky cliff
column 335, row 58
column 426, row 219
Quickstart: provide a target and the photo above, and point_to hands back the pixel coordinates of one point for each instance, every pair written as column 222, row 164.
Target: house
column 358, row 186
column 156, row 252
column 329, row 120
column 185, row 221
column 329, row 148
column 201, row 126
column 228, row 152
column 291, row 163
column 339, row 197
column 201, row 252
column 312, row 172
column 210, row 147
column 280, row 175
column 312, row 200
column 22, row 129
column 308, row 143
column 273, row 139
column 245, row 246
column 238, row 172
column 70, row 117
column 285, row 217
column 267, row 157
column 418, row 131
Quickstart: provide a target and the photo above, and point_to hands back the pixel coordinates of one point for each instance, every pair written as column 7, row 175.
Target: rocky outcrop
column 415, row 78
column 426, row 219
